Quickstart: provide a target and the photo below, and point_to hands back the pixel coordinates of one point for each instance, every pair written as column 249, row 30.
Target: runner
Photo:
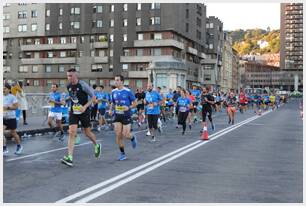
column 102, row 101
column 218, row 102
column 152, row 101
column 10, row 104
column 242, row 101
column 123, row 101
column 79, row 92
column 140, row 95
column 196, row 92
column 272, row 101
column 56, row 101
column 231, row 103
column 170, row 102
column 183, row 105
column 207, row 100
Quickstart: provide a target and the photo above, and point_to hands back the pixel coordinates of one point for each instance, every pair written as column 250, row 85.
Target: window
column 6, row 69
column 22, row 14
column 34, row 27
column 36, row 83
column 124, row 37
column 138, row 21
column 61, row 12
column 187, row 27
column 154, row 20
column 6, row 16
column 199, row 22
column 125, row 7
column 155, row 5
column 111, row 52
column 99, row 23
column 62, row 54
column 37, row 41
column 23, row 69
column 138, row 7
column 47, row 27
column 139, row 52
column 125, row 22
column 140, row 36
column 6, row 5
column 126, row 52
column 157, row 52
column 61, row 68
column 96, row 68
column 22, row 28
column 48, row 68
column 75, row 10
column 102, row 53
column 110, row 69
column 75, row 24
column 49, row 83
column 82, row 39
column 211, row 25
column 157, row 36
column 112, row 8
column 139, row 83
column 211, row 46
column 50, row 54
column 198, row 34
column 34, row 69
column 50, row 40
column 207, row 25
column 125, row 66
column 48, row 12
column 62, row 82
column 6, row 29
column 34, row 13
column 187, row 13
column 111, row 37
column 97, row 9
column 111, row 24
column 92, row 53
column 60, row 26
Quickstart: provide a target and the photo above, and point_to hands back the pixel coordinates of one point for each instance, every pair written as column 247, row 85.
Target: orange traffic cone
column 205, row 132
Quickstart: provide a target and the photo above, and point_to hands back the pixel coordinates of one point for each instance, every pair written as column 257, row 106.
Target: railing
column 36, row 101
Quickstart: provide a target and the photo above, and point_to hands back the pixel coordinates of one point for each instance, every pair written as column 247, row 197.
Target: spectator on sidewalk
column 18, row 91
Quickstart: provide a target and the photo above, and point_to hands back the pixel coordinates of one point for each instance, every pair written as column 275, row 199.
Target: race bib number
column 151, row 106
column 139, row 102
column 183, row 109
column 119, row 109
column 76, row 109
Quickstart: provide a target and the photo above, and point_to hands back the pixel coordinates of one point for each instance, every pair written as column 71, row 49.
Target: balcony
column 139, row 59
column 192, row 51
column 202, row 55
column 138, row 74
column 99, row 45
column 101, row 59
column 159, row 43
column 69, row 60
column 40, row 47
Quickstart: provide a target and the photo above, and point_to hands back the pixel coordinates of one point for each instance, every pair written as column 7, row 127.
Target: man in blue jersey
column 123, row 100
column 170, row 102
column 103, row 101
column 56, row 101
column 197, row 94
column 152, row 101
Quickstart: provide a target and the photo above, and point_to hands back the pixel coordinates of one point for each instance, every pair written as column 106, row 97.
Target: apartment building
column 142, row 41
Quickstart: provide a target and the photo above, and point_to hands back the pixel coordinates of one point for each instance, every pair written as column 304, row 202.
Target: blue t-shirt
column 196, row 93
column 183, row 104
column 55, row 96
column 169, row 98
column 103, row 99
column 153, row 97
column 121, row 98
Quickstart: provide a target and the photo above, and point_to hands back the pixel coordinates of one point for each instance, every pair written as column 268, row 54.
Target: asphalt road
column 259, row 159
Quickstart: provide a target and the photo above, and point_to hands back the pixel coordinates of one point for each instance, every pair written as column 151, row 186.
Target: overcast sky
column 246, row 15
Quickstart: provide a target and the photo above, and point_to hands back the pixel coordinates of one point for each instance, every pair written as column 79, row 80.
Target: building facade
column 227, row 63
column 104, row 40
column 291, row 34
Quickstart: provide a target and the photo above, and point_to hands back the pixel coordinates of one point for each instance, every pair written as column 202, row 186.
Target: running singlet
column 55, row 96
column 196, row 93
column 152, row 99
column 79, row 96
column 169, row 98
column 122, row 98
column 102, row 98
column 242, row 98
column 272, row 98
column 231, row 101
column 183, row 104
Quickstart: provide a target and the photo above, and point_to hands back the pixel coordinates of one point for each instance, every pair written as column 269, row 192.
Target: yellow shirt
column 272, row 98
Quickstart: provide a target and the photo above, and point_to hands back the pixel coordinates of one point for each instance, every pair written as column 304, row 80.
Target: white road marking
column 177, row 153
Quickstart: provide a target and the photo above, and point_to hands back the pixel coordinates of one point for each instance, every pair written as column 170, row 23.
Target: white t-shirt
column 9, row 100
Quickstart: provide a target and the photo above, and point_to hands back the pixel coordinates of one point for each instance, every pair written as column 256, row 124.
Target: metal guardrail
column 36, row 101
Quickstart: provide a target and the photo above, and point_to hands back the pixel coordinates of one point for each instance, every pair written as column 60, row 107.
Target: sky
column 246, row 15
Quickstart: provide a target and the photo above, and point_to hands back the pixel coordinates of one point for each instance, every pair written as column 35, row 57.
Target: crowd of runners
column 120, row 108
